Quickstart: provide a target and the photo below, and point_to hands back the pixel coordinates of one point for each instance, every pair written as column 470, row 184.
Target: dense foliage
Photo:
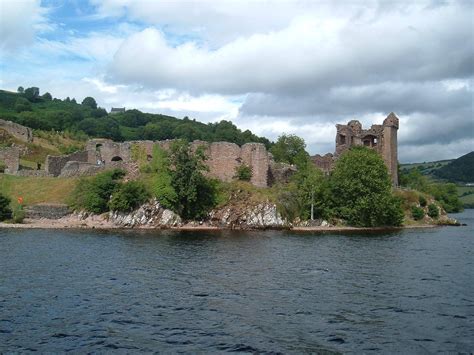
column 243, row 173
column 128, row 196
column 5, row 210
column 445, row 193
column 93, row 194
column 290, row 149
column 361, row 190
column 28, row 108
column 417, row 213
column 433, row 210
column 459, row 170
column 195, row 193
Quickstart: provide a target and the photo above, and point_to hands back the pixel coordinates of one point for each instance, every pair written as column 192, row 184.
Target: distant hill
column 425, row 168
column 43, row 112
column 458, row 170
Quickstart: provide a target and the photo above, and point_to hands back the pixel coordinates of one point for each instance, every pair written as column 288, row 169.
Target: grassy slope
column 37, row 189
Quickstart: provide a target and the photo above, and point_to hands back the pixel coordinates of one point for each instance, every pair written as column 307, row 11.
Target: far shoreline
column 61, row 225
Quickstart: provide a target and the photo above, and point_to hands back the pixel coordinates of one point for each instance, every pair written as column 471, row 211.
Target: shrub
column 417, row 213
column 422, row 201
column 361, row 190
column 22, row 104
column 128, row 196
column 243, row 173
column 196, row 194
column 18, row 214
column 93, row 194
column 5, row 210
column 3, row 167
column 433, row 210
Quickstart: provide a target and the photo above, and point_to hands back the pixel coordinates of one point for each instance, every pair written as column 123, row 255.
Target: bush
column 196, row 194
column 128, row 196
column 18, row 214
column 422, row 201
column 243, row 173
column 5, row 210
column 361, row 190
column 433, row 210
column 417, row 213
column 93, row 194
column 3, row 167
column 22, row 104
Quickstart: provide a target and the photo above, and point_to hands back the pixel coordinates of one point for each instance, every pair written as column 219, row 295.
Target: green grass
column 35, row 190
column 466, row 195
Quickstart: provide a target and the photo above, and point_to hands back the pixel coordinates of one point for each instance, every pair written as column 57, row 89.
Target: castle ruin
column 382, row 138
column 223, row 158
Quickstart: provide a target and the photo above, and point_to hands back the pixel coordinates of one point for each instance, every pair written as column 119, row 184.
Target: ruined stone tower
column 382, row 138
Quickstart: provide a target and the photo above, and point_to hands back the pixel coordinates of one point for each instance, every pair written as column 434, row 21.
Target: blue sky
column 287, row 66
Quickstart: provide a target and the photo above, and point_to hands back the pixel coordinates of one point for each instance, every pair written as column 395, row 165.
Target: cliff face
column 153, row 215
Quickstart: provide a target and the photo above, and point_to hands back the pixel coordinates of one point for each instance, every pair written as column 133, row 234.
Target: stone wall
column 280, row 173
column 325, row 162
column 255, row 156
column 49, row 211
column 11, row 158
column 33, row 173
column 54, row 164
column 78, row 168
column 223, row 158
column 18, row 131
column 109, row 151
column 381, row 138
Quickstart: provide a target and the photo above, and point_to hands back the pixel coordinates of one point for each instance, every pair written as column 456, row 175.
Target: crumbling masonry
column 223, row 157
column 381, row 138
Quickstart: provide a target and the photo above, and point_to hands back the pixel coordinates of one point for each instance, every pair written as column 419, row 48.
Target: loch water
column 408, row 291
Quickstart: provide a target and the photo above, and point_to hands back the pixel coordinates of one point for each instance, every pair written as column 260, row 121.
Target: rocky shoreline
column 153, row 215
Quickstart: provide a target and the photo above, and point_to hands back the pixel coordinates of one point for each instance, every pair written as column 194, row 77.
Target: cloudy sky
column 269, row 66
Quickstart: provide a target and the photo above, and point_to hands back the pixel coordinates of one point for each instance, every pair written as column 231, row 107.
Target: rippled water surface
column 405, row 291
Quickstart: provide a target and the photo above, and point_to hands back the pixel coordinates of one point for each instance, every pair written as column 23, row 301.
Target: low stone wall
column 49, row 211
column 33, row 173
column 11, row 158
column 77, row 168
column 18, row 131
column 55, row 164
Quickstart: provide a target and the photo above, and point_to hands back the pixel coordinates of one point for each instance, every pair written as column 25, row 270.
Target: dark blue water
column 407, row 291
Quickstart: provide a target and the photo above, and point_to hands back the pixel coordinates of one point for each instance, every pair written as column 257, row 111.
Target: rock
column 263, row 215
column 149, row 214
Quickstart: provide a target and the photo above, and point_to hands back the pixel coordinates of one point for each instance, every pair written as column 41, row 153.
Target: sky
column 287, row 66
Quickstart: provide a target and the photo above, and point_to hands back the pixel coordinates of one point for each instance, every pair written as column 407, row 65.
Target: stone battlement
column 381, row 138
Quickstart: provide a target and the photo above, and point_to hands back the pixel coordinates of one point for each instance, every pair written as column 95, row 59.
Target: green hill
column 42, row 112
column 458, row 170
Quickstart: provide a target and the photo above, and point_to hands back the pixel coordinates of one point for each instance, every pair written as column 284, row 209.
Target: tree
column 22, row 105
column 5, row 210
column 128, row 196
column 306, row 196
column 32, row 93
column 90, row 102
column 93, row 194
column 20, row 90
column 162, row 187
column 47, row 96
column 433, row 210
column 290, row 149
column 196, row 194
column 361, row 190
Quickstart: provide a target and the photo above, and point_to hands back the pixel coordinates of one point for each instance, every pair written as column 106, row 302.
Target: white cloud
column 20, row 21
column 310, row 53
